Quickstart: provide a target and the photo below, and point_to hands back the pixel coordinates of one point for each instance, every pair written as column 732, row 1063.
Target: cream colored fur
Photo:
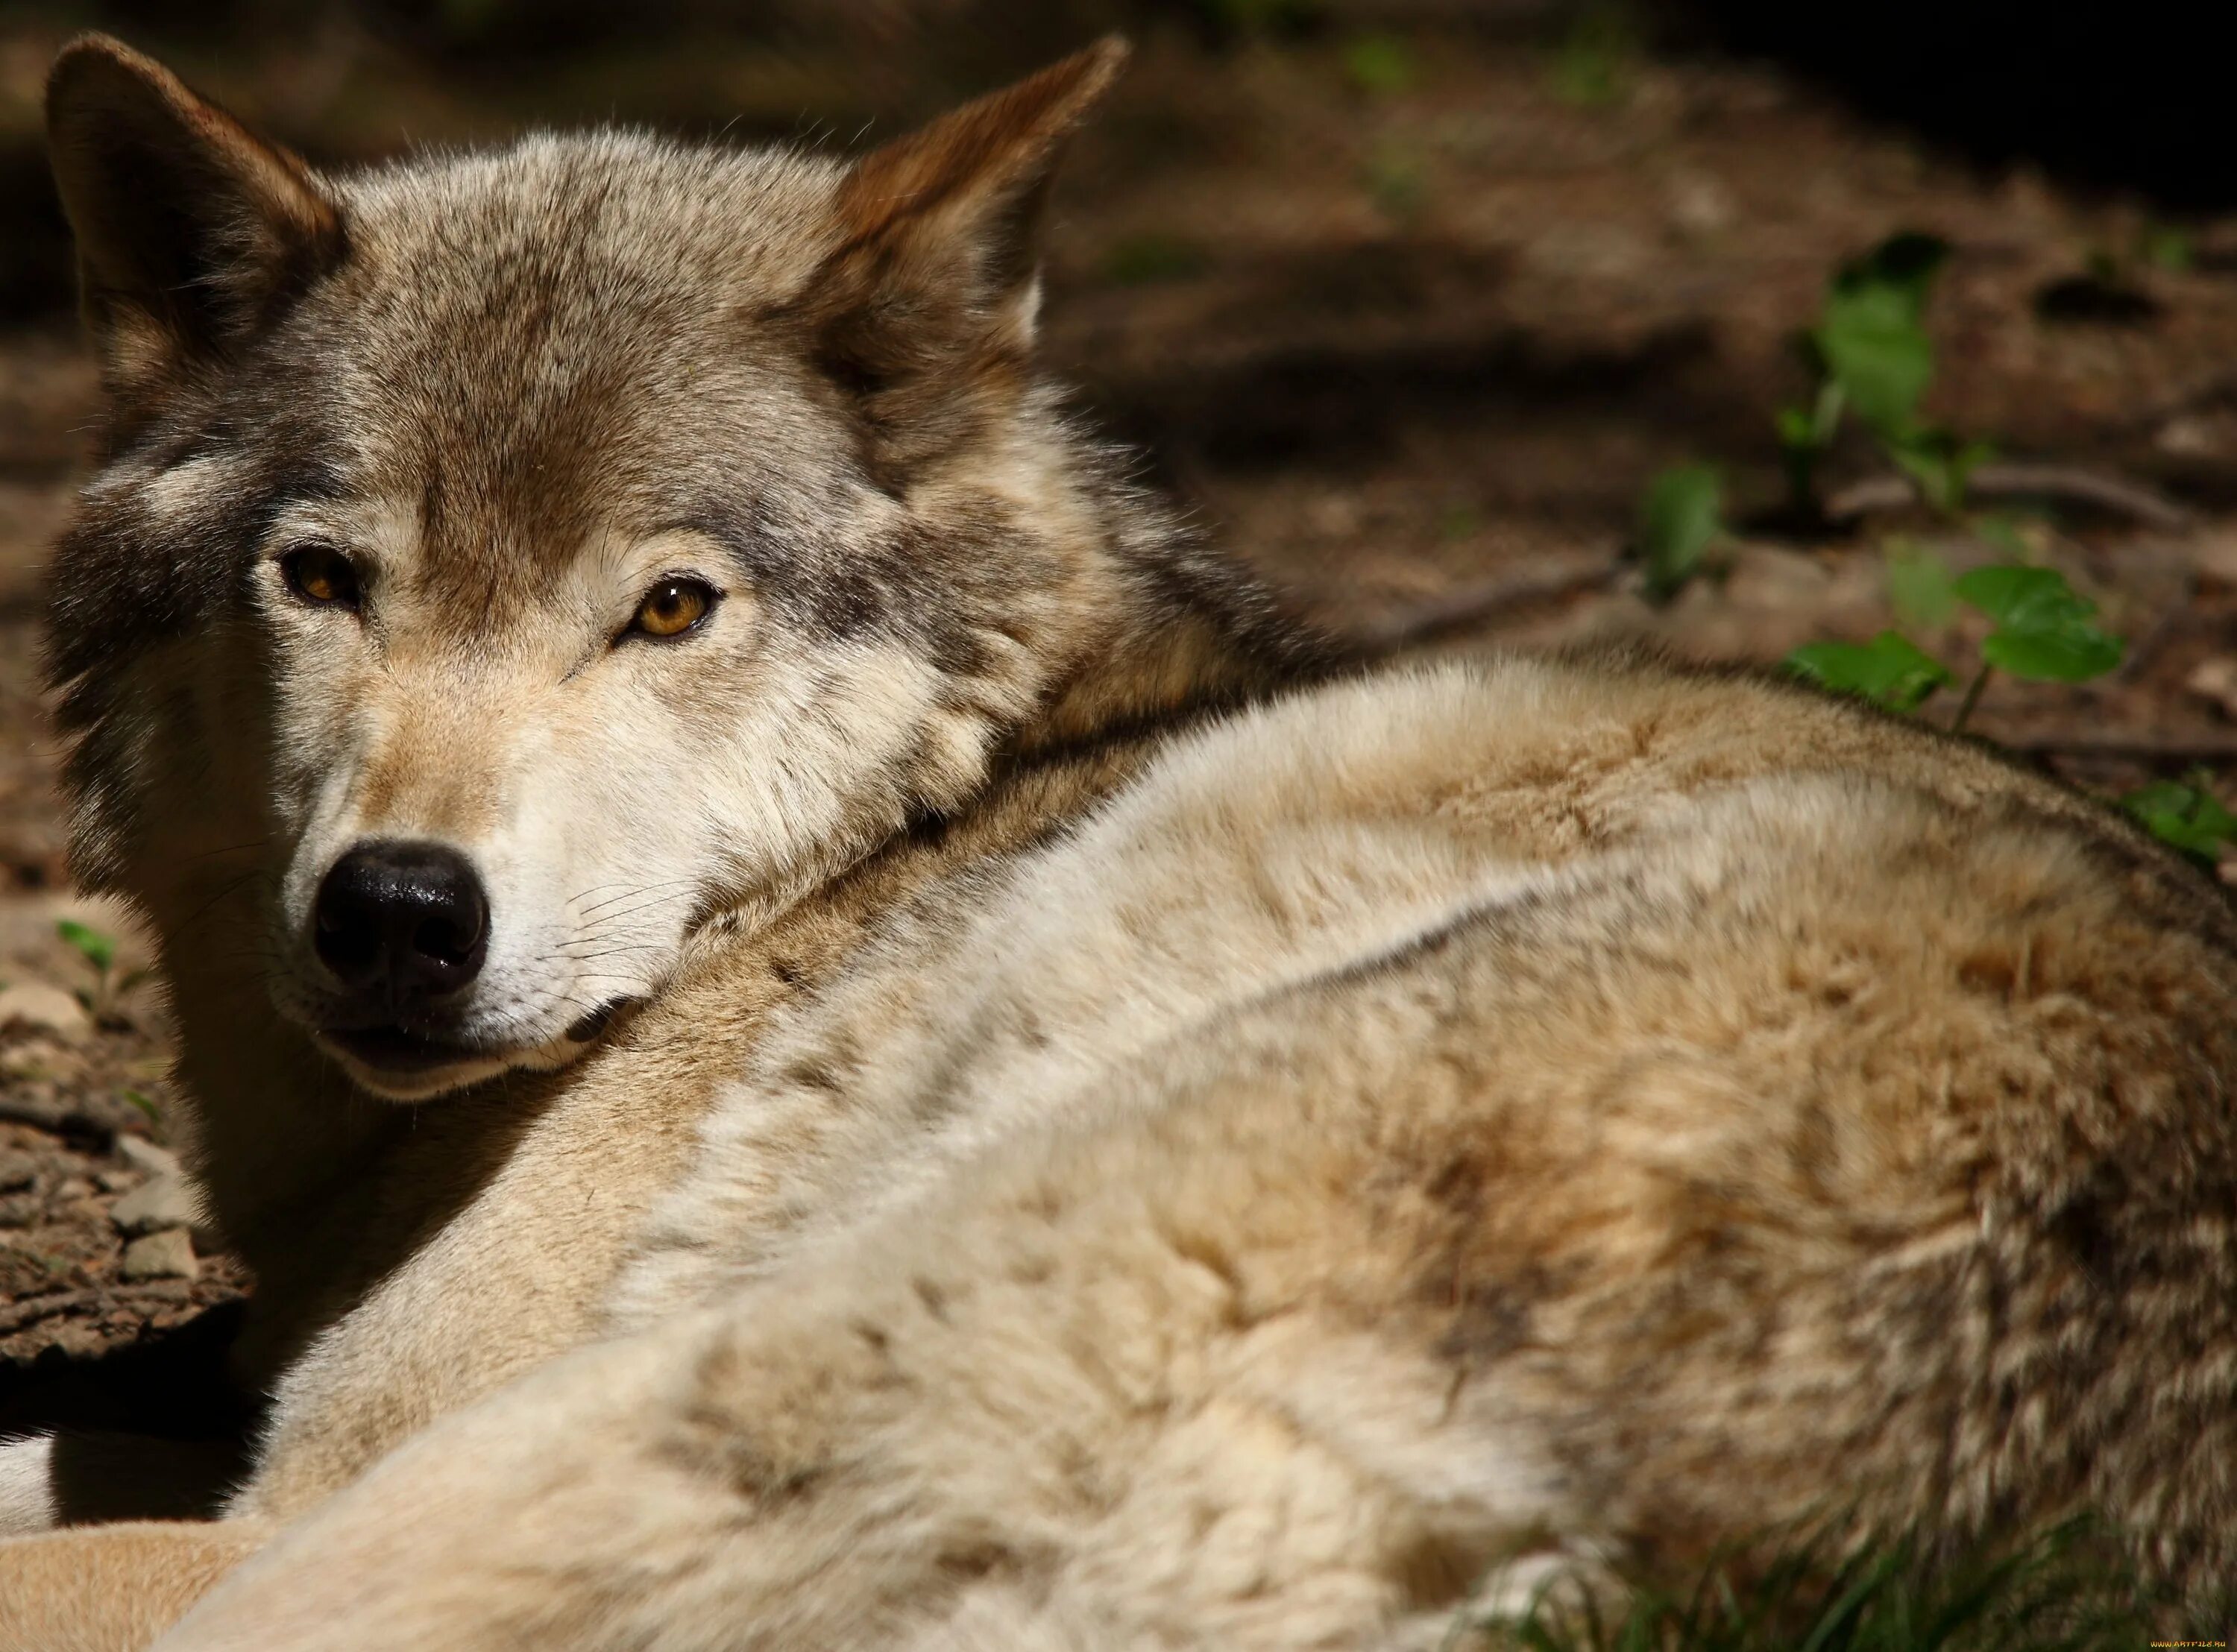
column 1516, row 1112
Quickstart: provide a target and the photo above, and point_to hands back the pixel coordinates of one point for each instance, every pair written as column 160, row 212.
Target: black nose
column 408, row 918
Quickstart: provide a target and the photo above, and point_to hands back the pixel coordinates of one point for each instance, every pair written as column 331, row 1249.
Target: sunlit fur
column 1124, row 1135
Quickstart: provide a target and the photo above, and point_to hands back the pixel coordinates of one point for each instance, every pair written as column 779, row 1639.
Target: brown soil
column 1415, row 352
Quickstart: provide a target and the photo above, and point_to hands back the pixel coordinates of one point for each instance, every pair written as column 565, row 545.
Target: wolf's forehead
column 590, row 223
column 503, row 286
column 510, row 328
column 569, row 256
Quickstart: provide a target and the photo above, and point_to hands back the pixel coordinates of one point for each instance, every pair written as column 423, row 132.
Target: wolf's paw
column 27, row 1488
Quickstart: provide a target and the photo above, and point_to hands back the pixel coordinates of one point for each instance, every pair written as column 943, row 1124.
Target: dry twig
column 2018, row 480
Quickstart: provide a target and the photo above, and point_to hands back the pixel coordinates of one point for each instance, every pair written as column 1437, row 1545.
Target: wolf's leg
column 106, row 1589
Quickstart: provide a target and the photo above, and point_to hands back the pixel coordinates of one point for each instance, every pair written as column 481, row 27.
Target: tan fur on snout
column 433, row 770
column 1122, row 1133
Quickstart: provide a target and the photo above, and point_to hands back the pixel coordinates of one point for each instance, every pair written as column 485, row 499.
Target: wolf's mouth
column 395, row 1059
column 394, row 1050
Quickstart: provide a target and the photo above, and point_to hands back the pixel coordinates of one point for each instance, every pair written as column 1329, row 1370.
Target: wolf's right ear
column 935, row 276
column 190, row 229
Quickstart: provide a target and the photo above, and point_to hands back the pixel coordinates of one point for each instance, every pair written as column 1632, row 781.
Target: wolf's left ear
column 938, row 263
column 190, row 229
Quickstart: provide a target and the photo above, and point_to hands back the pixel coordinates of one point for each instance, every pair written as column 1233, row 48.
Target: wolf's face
column 504, row 561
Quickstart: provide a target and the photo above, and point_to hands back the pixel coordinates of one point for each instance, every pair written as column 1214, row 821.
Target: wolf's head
column 499, row 562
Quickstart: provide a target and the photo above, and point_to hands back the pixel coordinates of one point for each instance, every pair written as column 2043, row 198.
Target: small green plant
column 2169, row 248
column 1872, row 360
column 1871, row 341
column 145, row 1103
column 1940, row 462
column 2045, row 631
column 1380, row 65
column 1805, row 435
column 96, row 948
column 99, row 950
column 1680, row 520
column 2185, row 814
column 1871, row 356
column 2042, row 629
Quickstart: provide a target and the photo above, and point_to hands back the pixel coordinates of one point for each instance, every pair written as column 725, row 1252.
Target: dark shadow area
column 2125, row 96
column 154, row 1430
column 1344, row 408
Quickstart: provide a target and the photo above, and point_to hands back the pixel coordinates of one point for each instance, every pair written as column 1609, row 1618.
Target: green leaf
column 2021, row 598
column 2170, row 249
column 1380, row 65
column 1889, row 670
column 2044, row 629
column 1806, row 433
column 2077, row 657
column 1873, row 337
column 2189, row 816
column 1681, row 517
column 96, row 949
column 145, row 1103
column 1919, row 586
column 1880, row 357
column 1940, row 461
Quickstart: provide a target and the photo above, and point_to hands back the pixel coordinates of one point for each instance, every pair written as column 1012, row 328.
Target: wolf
column 821, row 1031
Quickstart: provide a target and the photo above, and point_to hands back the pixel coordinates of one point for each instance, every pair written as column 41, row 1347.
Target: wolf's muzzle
column 402, row 924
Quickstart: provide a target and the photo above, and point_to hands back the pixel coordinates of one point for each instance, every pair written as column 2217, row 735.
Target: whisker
column 626, row 888
column 228, row 889
column 643, row 889
column 612, row 951
column 232, row 849
column 648, row 906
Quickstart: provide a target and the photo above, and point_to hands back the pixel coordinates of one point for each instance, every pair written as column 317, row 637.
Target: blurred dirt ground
column 1411, row 312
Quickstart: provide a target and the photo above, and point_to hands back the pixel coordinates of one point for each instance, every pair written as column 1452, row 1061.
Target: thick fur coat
column 1093, row 1127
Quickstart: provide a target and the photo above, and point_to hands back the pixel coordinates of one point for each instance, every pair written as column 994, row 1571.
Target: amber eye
column 320, row 574
column 674, row 607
